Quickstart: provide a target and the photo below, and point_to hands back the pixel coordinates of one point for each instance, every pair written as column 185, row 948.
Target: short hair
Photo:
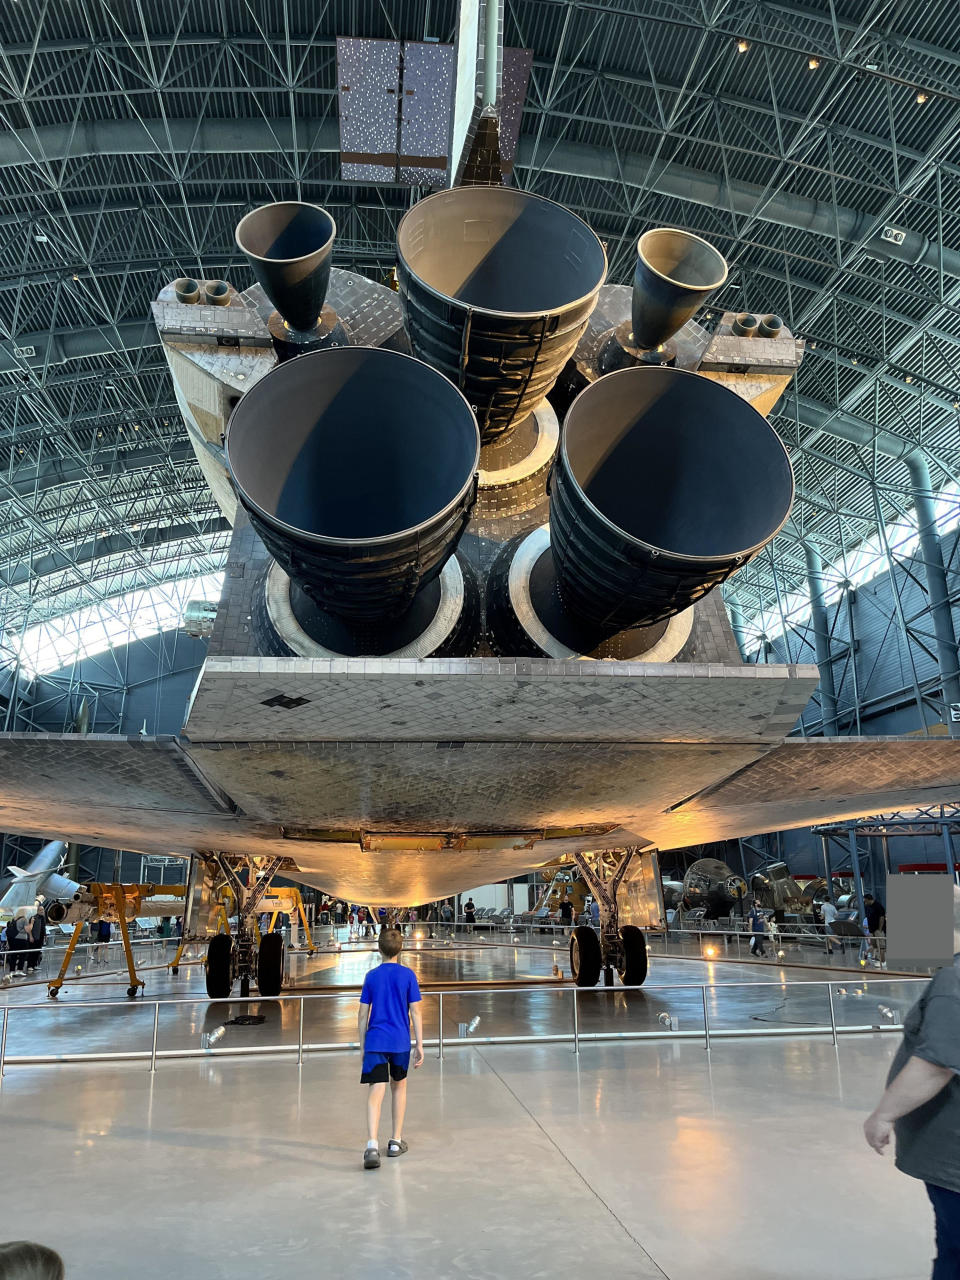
column 390, row 942
column 24, row 1260
column 868, row 897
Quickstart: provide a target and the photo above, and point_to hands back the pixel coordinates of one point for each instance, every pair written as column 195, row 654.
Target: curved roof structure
column 813, row 144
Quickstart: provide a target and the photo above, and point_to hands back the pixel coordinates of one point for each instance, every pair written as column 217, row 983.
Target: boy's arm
column 417, row 1017
column 363, row 1018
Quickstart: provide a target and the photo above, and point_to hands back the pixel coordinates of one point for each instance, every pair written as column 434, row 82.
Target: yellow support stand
column 53, row 989
column 136, row 984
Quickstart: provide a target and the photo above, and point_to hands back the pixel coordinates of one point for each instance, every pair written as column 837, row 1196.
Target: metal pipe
column 576, row 1021
column 491, row 52
column 3, row 1042
column 440, row 1028
column 857, row 878
column 300, row 1036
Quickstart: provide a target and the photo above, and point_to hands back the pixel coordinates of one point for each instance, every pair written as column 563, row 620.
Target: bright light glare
column 95, row 629
column 710, row 952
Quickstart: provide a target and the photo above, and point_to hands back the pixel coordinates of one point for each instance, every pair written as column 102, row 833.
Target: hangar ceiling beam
column 220, row 136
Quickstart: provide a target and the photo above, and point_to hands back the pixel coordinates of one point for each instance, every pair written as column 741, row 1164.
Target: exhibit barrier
column 297, row 1025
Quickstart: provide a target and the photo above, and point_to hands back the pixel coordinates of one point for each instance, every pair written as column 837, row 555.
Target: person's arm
column 417, row 1018
column 917, row 1083
column 363, row 1019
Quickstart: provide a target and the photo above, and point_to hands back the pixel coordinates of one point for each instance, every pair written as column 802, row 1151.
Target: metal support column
column 827, row 870
column 855, row 867
column 821, row 636
column 938, row 592
column 953, row 867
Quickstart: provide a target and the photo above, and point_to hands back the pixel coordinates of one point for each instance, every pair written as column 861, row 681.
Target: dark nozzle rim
column 216, row 293
column 745, row 324
column 706, row 286
column 285, row 204
column 489, row 193
column 717, row 388
column 188, row 286
column 331, row 356
column 770, row 325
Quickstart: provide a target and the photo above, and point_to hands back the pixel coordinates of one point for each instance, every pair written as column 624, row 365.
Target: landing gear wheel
column 633, row 963
column 53, row 992
column 585, row 957
column 270, row 965
column 132, row 992
column 219, row 965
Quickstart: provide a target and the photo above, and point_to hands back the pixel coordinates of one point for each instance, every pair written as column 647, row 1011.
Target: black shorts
column 378, row 1068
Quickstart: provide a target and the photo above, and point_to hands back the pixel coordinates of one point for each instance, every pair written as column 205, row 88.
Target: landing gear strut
column 232, row 958
column 622, row 949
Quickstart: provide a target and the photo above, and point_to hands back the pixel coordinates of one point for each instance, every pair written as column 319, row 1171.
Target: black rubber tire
column 270, row 965
column 219, row 966
column 633, row 971
column 586, row 960
column 133, row 992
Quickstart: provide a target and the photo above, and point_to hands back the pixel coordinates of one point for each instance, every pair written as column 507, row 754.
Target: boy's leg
column 399, row 1100
column 374, row 1103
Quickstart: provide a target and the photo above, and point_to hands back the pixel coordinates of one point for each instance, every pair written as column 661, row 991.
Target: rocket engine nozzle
column 497, row 286
column 675, row 274
column 289, row 247
column 665, row 484
column 358, row 468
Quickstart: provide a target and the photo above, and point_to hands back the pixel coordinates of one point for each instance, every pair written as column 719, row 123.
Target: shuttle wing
column 479, row 812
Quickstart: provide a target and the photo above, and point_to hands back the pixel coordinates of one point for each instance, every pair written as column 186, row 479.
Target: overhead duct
column 357, row 466
column 665, row 484
column 497, row 286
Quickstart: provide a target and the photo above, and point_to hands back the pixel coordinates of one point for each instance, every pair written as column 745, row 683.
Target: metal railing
column 887, row 1018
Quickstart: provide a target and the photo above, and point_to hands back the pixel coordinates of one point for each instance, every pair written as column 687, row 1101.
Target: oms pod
column 497, row 286
column 358, row 469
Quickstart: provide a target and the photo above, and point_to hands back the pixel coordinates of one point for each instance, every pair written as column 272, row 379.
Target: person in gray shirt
column 921, row 1104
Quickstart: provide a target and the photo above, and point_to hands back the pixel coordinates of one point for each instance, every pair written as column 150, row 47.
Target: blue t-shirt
column 389, row 989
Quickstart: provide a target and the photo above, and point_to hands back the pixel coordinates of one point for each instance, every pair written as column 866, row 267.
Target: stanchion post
column 833, row 1016
column 300, row 1037
column 576, row 1020
column 706, row 1019
column 3, row 1041
column 156, row 1031
column 440, row 1026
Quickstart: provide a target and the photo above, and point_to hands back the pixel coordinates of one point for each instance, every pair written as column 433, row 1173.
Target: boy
column 389, row 999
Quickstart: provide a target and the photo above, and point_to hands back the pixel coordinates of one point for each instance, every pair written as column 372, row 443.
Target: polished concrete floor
column 739, row 997
column 629, row 1160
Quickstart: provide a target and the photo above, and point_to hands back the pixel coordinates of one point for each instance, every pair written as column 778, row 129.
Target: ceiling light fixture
column 813, row 63
column 922, row 97
column 742, row 45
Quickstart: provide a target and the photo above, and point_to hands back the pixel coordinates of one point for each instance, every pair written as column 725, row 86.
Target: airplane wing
column 161, row 795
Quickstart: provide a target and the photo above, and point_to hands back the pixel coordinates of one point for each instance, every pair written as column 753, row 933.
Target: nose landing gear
column 623, row 949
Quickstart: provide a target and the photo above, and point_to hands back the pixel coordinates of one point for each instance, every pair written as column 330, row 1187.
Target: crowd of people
column 366, row 922
column 23, row 937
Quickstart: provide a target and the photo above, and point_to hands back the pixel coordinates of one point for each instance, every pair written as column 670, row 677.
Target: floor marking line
column 593, row 1191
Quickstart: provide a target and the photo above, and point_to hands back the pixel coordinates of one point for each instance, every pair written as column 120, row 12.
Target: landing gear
column 623, row 949
column 219, row 967
column 270, row 965
column 586, row 958
column 230, row 958
column 633, row 956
